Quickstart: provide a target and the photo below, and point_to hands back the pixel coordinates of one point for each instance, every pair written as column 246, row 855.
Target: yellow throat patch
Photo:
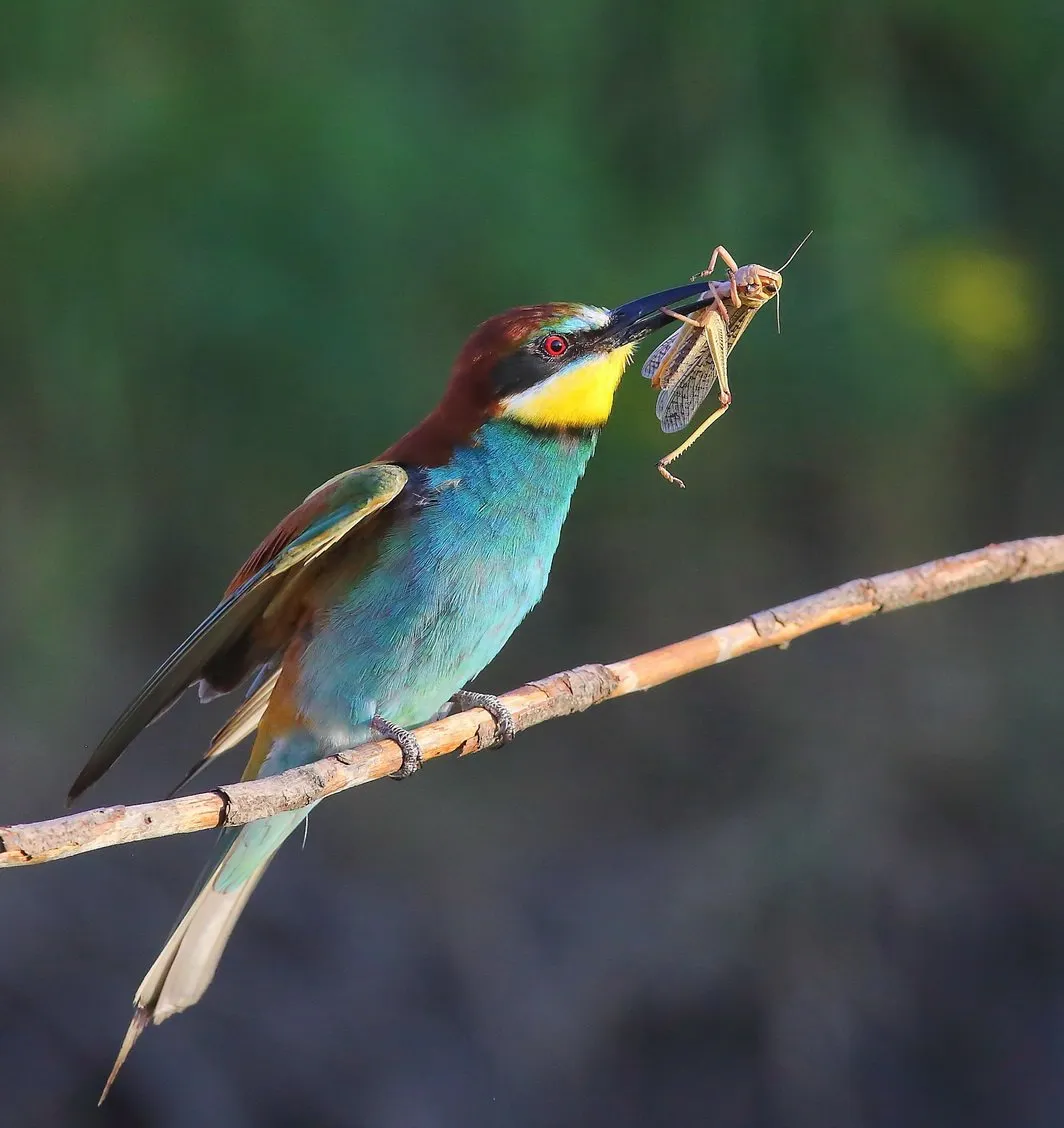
column 578, row 396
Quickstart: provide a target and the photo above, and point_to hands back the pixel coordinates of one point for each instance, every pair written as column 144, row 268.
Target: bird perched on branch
column 368, row 607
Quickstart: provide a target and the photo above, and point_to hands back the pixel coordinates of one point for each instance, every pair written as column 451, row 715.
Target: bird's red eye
column 555, row 345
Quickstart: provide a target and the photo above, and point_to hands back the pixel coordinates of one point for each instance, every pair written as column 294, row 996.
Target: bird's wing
column 226, row 640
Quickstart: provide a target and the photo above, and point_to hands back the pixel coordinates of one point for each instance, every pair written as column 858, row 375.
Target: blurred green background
column 240, row 243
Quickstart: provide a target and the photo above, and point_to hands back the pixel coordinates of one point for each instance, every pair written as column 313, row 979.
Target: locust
column 686, row 365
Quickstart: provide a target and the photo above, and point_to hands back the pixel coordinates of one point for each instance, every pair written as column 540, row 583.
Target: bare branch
column 556, row 696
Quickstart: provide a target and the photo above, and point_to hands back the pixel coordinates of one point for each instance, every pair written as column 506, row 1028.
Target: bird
column 368, row 608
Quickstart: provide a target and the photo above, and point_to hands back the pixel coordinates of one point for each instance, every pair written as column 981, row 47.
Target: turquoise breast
column 457, row 572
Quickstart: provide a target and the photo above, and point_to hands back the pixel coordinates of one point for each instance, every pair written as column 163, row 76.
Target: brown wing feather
column 313, row 506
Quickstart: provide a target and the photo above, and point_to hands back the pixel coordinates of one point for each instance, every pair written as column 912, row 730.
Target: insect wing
column 678, row 403
column 738, row 322
column 692, row 375
column 684, row 344
column 657, row 357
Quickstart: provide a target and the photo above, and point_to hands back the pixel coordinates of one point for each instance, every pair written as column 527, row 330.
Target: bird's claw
column 406, row 741
column 505, row 728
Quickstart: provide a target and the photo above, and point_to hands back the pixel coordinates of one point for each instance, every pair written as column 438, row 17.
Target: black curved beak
column 634, row 320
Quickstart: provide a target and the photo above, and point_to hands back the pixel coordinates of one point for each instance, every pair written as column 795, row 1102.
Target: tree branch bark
column 556, row 696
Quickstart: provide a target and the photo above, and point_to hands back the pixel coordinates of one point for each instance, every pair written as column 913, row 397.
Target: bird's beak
column 632, row 321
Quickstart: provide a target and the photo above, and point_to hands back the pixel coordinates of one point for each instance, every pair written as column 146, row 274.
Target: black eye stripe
column 519, row 371
column 532, row 364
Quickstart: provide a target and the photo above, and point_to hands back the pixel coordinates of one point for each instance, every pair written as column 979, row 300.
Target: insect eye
column 555, row 345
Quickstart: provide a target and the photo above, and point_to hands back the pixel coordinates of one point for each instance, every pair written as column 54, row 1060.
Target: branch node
column 223, row 814
column 571, row 692
column 766, row 623
column 1020, row 572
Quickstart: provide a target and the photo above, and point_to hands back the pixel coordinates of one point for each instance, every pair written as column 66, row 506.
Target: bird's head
column 554, row 366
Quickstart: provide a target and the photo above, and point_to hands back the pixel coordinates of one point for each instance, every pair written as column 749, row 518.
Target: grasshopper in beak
column 686, row 365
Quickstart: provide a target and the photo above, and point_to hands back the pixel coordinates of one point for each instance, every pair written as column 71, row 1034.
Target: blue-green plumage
column 464, row 561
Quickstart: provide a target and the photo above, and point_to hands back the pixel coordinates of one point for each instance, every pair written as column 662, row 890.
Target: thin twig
column 556, row 696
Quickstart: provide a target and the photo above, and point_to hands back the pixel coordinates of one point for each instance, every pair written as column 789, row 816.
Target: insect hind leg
column 687, row 444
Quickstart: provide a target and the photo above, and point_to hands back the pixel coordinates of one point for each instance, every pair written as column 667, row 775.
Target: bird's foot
column 406, row 741
column 504, row 719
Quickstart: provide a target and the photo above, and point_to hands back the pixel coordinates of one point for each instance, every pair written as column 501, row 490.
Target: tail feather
column 185, row 967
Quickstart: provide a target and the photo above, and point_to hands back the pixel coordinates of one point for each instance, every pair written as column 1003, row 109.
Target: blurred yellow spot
column 982, row 304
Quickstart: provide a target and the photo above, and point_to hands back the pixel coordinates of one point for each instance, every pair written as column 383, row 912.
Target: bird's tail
column 186, row 965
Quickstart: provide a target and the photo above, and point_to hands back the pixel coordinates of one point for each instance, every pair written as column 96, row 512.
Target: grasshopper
column 685, row 366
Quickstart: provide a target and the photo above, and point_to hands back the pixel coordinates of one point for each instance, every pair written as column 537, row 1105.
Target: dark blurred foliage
column 240, row 242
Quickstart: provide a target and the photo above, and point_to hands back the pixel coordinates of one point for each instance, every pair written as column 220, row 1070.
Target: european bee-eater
column 370, row 606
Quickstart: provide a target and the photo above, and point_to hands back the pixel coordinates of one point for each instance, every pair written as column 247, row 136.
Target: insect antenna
column 790, row 259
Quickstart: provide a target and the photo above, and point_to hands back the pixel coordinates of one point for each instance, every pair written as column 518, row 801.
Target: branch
column 556, row 696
